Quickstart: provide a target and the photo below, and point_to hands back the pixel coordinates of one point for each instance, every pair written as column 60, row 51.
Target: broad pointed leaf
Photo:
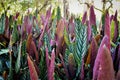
column 33, row 73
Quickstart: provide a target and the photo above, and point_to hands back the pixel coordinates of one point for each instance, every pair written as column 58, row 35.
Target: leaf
column 84, row 18
column 15, row 34
column 92, row 53
column 118, row 75
column 112, row 30
column 60, row 29
column 80, row 43
column 89, row 31
column 54, row 23
column 101, row 70
column 94, row 50
column 48, row 13
column 18, row 63
column 4, row 51
column 98, row 38
column 66, row 37
column 33, row 73
column 92, row 16
column 50, row 65
column 31, row 48
column 58, row 13
column 71, row 26
column 116, row 30
column 107, row 29
column 2, row 24
column 47, row 58
column 103, row 58
column 116, row 58
column 71, row 66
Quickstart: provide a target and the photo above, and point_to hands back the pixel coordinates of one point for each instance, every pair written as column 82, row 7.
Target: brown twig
column 88, row 5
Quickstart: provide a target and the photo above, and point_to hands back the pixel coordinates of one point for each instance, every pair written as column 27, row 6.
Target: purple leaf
column 116, row 58
column 92, row 17
column 50, row 64
column 103, row 58
column 31, row 48
column 84, row 18
column 27, row 24
column 82, row 71
column 118, row 75
column 48, row 14
column 101, row 70
column 88, row 32
column 52, row 42
column 94, row 49
column 33, row 73
column 96, row 65
column 111, row 18
column 107, row 29
column 71, row 27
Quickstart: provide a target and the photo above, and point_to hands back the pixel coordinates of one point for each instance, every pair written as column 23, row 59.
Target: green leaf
column 17, row 65
column 15, row 34
column 81, row 43
column 81, row 40
column 4, row 51
column 2, row 24
column 58, row 13
column 66, row 37
column 94, row 30
column 112, row 30
column 47, row 42
column 54, row 23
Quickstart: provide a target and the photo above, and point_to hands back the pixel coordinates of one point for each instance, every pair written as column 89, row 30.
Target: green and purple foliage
column 54, row 48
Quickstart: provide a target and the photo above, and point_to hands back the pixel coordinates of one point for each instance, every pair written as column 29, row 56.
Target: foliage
column 50, row 47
